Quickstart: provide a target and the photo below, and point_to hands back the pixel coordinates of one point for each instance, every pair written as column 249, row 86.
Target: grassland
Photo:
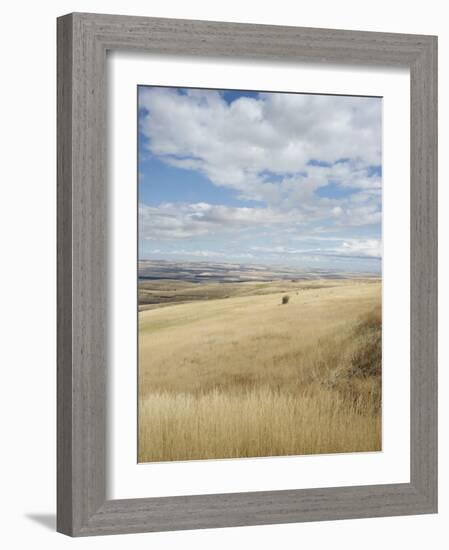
column 226, row 371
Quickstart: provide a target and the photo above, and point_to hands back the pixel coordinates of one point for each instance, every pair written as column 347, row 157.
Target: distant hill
column 200, row 272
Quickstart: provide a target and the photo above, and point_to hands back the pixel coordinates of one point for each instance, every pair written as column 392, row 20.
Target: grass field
column 226, row 371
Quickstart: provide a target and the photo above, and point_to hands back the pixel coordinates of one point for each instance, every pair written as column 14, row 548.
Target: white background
column 27, row 300
column 392, row 465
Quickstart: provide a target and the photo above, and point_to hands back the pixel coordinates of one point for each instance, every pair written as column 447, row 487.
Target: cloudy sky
column 263, row 178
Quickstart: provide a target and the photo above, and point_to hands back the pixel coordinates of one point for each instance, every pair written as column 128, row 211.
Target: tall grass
column 259, row 422
column 320, row 398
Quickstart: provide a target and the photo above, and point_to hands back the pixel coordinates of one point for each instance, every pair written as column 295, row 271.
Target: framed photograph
column 247, row 274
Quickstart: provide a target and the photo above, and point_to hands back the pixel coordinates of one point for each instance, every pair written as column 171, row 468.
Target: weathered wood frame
column 83, row 40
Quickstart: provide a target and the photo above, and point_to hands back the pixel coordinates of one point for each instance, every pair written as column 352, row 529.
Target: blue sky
column 262, row 178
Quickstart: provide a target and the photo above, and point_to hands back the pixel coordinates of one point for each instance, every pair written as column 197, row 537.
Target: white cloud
column 349, row 248
column 187, row 220
column 180, row 221
column 305, row 159
column 365, row 248
column 244, row 144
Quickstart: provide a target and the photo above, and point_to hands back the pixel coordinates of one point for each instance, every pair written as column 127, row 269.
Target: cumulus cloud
column 241, row 145
column 360, row 248
column 180, row 221
column 296, row 165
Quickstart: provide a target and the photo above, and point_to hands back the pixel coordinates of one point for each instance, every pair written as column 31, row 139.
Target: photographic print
column 259, row 274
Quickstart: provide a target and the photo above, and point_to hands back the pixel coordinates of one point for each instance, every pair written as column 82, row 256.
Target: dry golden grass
column 246, row 376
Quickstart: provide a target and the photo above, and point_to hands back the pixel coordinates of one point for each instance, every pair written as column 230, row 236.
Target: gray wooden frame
column 83, row 40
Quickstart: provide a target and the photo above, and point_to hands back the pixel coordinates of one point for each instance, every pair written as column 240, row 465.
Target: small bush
column 357, row 365
column 285, row 299
column 367, row 359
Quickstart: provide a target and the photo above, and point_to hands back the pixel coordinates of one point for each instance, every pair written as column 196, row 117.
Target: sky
column 260, row 178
